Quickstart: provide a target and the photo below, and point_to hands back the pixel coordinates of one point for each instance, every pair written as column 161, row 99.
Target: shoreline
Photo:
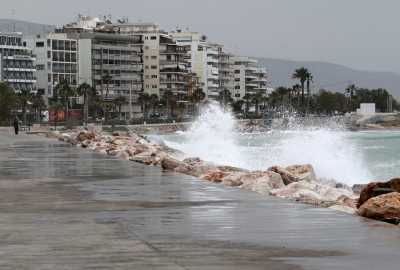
column 296, row 182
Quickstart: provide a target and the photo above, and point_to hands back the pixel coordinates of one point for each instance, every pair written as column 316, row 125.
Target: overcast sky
column 363, row 34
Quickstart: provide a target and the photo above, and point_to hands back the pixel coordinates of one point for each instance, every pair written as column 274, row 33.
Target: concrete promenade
column 67, row 208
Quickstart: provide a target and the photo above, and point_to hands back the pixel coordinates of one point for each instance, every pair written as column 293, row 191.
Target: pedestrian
column 16, row 125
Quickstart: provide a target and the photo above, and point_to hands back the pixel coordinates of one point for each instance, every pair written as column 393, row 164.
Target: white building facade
column 17, row 66
column 249, row 78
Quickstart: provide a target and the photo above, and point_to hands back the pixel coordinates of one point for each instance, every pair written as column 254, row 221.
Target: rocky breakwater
column 381, row 201
column 297, row 182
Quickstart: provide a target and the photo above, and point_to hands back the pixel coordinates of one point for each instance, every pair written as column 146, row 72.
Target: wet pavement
column 67, row 208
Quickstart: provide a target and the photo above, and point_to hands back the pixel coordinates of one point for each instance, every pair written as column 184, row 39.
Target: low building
column 17, row 66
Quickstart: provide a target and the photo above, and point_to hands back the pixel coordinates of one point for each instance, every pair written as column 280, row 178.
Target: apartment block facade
column 57, row 59
column 165, row 65
column 17, row 66
column 249, row 78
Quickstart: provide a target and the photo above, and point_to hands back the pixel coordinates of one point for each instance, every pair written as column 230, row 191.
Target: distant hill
column 330, row 76
column 27, row 28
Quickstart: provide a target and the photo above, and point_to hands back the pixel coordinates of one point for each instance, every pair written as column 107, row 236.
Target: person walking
column 16, row 125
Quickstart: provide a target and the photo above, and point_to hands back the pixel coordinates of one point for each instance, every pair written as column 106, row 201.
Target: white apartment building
column 16, row 63
column 249, row 78
column 56, row 60
column 208, row 61
column 165, row 65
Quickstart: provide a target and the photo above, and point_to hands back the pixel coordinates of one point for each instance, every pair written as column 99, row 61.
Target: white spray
column 332, row 152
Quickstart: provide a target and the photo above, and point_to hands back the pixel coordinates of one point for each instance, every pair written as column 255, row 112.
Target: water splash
column 327, row 146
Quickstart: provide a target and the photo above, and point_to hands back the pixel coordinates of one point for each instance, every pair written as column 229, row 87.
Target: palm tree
column 24, row 98
column 38, row 104
column 170, row 100
column 197, row 97
column 154, row 100
column 350, row 91
column 144, row 99
column 87, row 92
column 64, row 91
column 118, row 102
column 256, row 99
column 309, row 81
column 225, row 97
column 247, row 98
column 303, row 75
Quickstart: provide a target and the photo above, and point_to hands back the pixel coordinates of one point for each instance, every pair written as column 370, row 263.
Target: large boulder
column 262, row 182
column 259, row 181
column 170, row 164
column 384, row 207
column 85, row 135
column 375, row 189
column 314, row 193
column 295, row 173
column 215, row 176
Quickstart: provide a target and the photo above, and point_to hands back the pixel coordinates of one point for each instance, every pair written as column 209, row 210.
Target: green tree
column 196, row 98
column 303, row 75
column 144, row 100
column 247, row 99
column 8, row 102
column 38, row 104
column 24, row 98
column 256, row 99
column 118, row 103
column 88, row 92
column 64, row 92
column 224, row 97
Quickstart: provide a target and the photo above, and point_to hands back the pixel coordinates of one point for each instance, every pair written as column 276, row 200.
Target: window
column 147, row 57
column 49, row 77
column 153, row 38
column 237, row 87
column 154, row 86
column 154, row 76
column 237, row 95
column 237, row 71
column 39, row 67
column 147, row 76
column 48, row 43
column 153, row 67
column 237, row 79
column 40, row 44
column 153, row 57
column 48, row 54
column 146, row 67
column 146, row 47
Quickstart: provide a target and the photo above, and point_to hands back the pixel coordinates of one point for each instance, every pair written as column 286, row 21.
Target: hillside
column 330, row 76
column 28, row 28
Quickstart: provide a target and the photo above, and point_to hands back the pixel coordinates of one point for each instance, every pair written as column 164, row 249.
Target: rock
column 170, row 164
column 261, row 182
column 214, row 176
column 85, row 143
column 233, row 179
column 312, row 193
column 378, row 188
column 120, row 134
column 295, row 173
column 123, row 155
column 384, row 207
column 85, row 135
column 303, row 172
column 343, row 208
